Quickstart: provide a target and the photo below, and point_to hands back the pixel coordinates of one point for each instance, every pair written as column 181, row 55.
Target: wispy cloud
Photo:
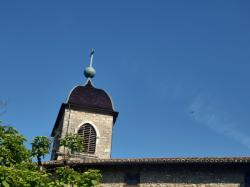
column 206, row 113
column 3, row 105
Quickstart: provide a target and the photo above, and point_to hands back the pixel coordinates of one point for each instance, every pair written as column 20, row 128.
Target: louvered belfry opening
column 88, row 133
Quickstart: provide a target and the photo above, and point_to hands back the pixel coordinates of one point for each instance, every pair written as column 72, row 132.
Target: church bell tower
column 88, row 112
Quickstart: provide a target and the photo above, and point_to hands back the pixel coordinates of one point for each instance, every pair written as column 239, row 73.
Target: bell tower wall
column 102, row 123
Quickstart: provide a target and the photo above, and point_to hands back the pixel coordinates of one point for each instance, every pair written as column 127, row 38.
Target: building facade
column 89, row 112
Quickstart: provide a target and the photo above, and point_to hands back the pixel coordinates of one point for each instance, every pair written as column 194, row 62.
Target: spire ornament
column 89, row 71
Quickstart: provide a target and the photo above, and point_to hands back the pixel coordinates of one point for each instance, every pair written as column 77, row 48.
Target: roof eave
column 154, row 161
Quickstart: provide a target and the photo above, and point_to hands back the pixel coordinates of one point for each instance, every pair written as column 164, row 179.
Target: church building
column 90, row 113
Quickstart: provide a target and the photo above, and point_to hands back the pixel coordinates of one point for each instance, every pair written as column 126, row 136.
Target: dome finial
column 89, row 71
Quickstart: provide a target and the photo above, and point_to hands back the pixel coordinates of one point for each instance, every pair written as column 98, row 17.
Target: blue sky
column 178, row 71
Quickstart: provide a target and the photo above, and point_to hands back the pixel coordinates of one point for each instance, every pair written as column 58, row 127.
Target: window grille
column 247, row 179
column 132, row 179
column 88, row 133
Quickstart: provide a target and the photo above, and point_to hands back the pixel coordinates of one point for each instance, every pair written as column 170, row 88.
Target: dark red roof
column 89, row 96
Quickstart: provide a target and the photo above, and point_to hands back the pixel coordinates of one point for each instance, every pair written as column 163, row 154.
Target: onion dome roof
column 91, row 97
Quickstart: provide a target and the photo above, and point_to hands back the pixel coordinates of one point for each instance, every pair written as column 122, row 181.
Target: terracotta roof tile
column 130, row 161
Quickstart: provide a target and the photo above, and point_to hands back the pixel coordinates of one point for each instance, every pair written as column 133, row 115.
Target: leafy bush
column 18, row 170
column 73, row 142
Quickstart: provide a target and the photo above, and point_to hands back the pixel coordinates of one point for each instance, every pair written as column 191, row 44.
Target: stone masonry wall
column 174, row 185
column 103, row 124
column 186, row 177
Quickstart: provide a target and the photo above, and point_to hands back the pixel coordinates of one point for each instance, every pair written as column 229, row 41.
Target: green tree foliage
column 63, row 176
column 12, row 149
column 40, row 147
column 68, row 175
column 12, row 177
column 18, row 170
column 73, row 142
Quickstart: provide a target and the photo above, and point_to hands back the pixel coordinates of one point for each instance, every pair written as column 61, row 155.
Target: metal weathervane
column 91, row 57
column 89, row 71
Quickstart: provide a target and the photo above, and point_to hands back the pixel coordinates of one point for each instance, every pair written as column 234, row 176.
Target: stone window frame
column 94, row 127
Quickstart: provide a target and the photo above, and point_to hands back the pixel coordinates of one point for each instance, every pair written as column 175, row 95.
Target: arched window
column 88, row 133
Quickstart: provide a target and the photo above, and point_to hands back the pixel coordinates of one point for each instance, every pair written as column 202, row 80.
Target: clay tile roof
column 134, row 161
column 89, row 96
